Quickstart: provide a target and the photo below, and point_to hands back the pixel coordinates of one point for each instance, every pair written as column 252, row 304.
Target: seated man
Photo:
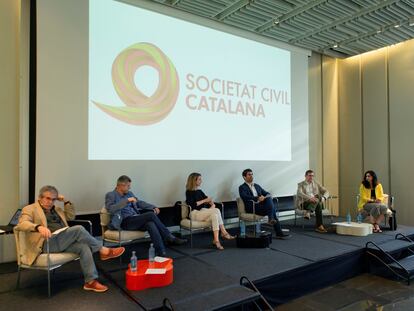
column 129, row 213
column 249, row 192
column 310, row 195
column 42, row 218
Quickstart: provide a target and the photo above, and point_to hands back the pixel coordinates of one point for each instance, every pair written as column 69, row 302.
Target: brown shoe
column 95, row 286
column 321, row 229
column 113, row 253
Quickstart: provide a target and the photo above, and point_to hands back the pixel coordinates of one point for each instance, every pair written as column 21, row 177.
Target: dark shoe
column 283, row 236
column 95, row 286
column 272, row 221
column 176, row 241
column 113, row 253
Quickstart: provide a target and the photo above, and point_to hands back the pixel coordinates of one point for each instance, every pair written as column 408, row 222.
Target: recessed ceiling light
column 379, row 31
column 276, row 22
column 335, row 46
column 411, row 21
column 396, row 26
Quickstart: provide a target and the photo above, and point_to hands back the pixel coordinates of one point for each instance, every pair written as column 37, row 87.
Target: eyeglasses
column 50, row 199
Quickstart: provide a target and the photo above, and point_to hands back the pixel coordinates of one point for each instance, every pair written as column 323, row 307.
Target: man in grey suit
column 310, row 195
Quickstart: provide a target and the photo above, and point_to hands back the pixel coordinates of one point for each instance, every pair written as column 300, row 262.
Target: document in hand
column 59, row 230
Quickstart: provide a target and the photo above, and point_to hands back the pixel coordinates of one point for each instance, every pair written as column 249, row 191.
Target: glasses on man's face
column 50, row 199
column 311, row 175
column 249, row 174
column 126, row 185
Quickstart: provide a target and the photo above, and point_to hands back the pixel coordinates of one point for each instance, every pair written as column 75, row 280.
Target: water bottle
column 134, row 262
column 359, row 218
column 348, row 217
column 242, row 229
column 151, row 253
column 258, row 228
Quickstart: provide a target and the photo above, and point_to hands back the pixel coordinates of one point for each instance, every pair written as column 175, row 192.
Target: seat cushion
column 113, row 235
column 55, row 259
column 252, row 217
column 185, row 223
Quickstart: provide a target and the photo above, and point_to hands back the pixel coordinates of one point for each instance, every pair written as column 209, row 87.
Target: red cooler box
column 140, row 280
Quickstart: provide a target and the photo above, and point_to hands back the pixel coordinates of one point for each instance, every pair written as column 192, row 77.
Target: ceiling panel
column 338, row 28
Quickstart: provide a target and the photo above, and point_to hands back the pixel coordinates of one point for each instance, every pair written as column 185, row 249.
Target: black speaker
column 262, row 240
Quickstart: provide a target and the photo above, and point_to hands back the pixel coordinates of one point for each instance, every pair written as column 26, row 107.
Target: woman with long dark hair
column 371, row 198
column 204, row 209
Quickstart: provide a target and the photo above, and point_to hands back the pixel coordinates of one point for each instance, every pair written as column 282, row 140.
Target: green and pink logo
column 141, row 109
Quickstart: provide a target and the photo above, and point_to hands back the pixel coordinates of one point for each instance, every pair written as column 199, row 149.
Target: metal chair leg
column 18, row 277
column 48, row 283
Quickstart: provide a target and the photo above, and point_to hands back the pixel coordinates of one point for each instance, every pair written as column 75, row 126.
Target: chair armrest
column 87, row 224
column 221, row 207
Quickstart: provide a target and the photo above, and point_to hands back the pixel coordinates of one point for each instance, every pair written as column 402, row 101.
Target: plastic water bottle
column 348, row 217
column 359, row 218
column 242, row 229
column 258, row 228
column 151, row 253
column 134, row 262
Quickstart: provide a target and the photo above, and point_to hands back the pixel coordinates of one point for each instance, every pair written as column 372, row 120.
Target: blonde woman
column 204, row 209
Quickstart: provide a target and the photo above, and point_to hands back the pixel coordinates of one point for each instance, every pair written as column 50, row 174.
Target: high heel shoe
column 228, row 236
column 218, row 245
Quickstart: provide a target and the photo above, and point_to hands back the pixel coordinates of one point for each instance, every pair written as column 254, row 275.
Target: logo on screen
column 141, row 109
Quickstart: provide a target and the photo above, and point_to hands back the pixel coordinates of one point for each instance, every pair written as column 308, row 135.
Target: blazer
column 246, row 193
column 365, row 195
column 33, row 215
column 115, row 202
column 317, row 189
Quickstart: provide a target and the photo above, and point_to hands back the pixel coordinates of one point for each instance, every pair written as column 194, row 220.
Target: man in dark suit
column 252, row 193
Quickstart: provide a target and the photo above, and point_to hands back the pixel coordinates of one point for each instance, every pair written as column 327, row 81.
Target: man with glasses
column 251, row 192
column 43, row 221
column 310, row 195
column 130, row 213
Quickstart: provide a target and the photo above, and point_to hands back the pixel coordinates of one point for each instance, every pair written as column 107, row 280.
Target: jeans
column 77, row 240
column 265, row 208
column 149, row 222
column 317, row 207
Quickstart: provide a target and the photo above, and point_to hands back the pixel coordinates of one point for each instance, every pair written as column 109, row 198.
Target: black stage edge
column 208, row 279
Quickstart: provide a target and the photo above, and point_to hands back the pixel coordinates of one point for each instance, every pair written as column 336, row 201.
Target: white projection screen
column 147, row 91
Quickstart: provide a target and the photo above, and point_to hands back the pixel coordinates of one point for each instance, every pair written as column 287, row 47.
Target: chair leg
column 18, row 277
column 48, row 283
column 191, row 238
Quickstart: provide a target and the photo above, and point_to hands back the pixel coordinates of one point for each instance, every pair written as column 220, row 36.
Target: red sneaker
column 113, row 253
column 95, row 286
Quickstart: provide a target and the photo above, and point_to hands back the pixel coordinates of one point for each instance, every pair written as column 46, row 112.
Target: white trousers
column 212, row 215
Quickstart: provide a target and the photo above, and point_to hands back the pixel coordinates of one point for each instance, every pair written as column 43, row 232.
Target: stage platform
column 208, row 279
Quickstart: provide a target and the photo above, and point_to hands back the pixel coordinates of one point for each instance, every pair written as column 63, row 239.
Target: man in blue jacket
column 130, row 213
column 252, row 193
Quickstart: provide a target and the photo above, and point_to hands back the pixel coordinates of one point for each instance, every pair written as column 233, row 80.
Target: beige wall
column 9, row 117
column 376, row 107
column 323, row 122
